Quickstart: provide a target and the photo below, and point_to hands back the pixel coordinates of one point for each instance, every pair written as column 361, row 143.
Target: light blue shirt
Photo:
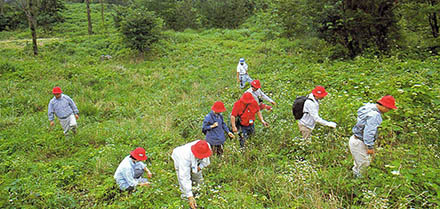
column 368, row 120
column 124, row 174
column 62, row 107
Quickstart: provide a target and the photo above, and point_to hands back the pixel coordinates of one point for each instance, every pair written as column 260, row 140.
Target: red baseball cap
column 247, row 98
column 256, row 84
column 56, row 90
column 201, row 149
column 139, row 154
column 388, row 101
column 218, row 107
column 319, row 91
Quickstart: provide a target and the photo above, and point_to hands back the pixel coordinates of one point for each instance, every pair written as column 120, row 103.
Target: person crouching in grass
column 129, row 173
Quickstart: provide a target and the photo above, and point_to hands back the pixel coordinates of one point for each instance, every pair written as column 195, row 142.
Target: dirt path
column 20, row 43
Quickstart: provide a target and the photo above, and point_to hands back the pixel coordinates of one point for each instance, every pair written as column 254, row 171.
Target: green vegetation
column 159, row 102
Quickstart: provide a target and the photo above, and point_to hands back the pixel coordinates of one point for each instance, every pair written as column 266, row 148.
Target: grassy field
column 158, row 101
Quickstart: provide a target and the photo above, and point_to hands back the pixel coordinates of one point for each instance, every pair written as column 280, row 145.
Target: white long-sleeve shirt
column 185, row 162
column 311, row 116
column 242, row 69
column 257, row 94
column 124, row 174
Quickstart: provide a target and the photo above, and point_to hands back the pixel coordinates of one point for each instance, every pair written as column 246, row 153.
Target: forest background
column 171, row 60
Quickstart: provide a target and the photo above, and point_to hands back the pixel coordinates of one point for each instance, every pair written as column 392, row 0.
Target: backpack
column 298, row 107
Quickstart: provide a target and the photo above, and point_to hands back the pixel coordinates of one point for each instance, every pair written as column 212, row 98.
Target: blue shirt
column 368, row 120
column 62, row 107
column 215, row 136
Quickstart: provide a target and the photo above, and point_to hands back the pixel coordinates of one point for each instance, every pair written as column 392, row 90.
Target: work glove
column 332, row 124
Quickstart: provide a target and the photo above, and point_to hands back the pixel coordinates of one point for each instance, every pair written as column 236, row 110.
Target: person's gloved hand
column 332, row 124
column 214, row 125
column 192, row 202
column 370, row 151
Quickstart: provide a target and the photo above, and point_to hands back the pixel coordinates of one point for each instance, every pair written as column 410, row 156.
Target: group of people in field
column 191, row 158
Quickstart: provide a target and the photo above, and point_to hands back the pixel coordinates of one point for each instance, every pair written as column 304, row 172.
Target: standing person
column 129, row 173
column 311, row 108
column 244, row 111
column 65, row 109
column 189, row 160
column 215, row 127
column 242, row 73
column 365, row 132
column 258, row 94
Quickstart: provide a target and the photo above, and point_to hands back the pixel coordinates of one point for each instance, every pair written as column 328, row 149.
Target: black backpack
column 298, row 107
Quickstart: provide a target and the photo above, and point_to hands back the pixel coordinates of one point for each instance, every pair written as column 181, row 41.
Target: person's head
column 386, row 103
column 247, row 98
column 218, row 107
column 319, row 92
column 255, row 84
column 138, row 154
column 241, row 61
column 56, row 91
column 201, row 149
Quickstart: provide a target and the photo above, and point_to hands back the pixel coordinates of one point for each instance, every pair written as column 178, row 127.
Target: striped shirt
column 62, row 107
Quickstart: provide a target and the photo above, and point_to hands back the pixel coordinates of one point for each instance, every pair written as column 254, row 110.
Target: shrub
column 140, row 28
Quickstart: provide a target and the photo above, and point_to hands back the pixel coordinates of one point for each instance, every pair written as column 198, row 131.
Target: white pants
column 359, row 152
column 68, row 123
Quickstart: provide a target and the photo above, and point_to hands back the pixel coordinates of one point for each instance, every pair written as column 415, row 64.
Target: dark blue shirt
column 215, row 136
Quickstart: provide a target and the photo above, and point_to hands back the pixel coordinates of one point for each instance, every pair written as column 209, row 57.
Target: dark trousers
column 245, row 133
column 217, row 149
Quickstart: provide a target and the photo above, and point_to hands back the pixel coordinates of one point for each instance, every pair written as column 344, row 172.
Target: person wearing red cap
column 65, row 109
column 129, row 173
column 189, row 160
column 215, row 127
column 258, row 94
column 244, row 111
column 365, row 132
column 311, row 108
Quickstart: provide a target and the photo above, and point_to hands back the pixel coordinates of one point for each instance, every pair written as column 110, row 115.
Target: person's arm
column 149, row 174
column 260, row 116
column 234, row 128
column 370, row 131
column 206, row 124
column 225, row 127
column 265, row 97
column 128, row 176
column 72, row 105
column 204, row 163
column 50, row 112
column 184, row 177
column 312, row 109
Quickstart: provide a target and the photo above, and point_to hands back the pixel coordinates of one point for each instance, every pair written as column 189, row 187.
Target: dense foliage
column 139, row 27
column 48, row 12
column 159, row 102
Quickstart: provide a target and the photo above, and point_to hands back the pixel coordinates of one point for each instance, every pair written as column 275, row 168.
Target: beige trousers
column 359, row 152
column 68, row 123
column 305, row 131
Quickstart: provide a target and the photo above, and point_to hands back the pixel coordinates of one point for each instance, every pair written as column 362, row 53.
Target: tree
column 89, row 18
column 225, row 13
column 28, row 7
column 358, row 25
column 139, row 27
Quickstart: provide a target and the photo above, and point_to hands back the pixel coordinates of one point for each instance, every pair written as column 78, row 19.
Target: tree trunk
column 89, row 19
column 433, row 21
column 102, row 15
column 32, row 25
